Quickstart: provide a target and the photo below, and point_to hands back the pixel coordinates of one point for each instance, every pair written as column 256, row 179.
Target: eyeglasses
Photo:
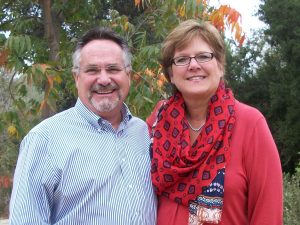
column 109, row 69
column 200, row 58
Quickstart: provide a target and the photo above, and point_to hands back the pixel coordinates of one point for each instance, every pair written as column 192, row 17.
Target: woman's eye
column 183, row 59
column 201, row 57
column 204, row 57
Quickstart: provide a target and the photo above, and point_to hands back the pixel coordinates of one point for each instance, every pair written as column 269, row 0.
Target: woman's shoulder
column 246, row 111
column 152, row 118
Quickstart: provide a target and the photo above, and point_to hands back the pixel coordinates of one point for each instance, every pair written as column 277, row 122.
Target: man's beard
column 105, row 104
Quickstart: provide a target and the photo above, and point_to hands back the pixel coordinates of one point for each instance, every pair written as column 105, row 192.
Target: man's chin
column 104, row 106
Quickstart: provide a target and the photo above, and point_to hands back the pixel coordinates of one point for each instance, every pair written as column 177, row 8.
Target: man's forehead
column 101, row 55
column 101, row 45
column 91, row 65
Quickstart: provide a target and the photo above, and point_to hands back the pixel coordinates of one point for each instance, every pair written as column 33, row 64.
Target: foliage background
column 37, row 38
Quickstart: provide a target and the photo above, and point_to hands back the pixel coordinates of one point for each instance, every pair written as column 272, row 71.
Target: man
column 89, row 164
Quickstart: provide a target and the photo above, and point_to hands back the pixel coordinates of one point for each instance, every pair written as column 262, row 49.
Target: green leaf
column 148, row 99
column 22, row 90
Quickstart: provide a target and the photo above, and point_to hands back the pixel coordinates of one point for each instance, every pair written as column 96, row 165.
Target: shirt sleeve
column 265, row 193
column 33, row 185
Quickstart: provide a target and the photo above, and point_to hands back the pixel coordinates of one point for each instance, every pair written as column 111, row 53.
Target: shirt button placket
column 126, row 172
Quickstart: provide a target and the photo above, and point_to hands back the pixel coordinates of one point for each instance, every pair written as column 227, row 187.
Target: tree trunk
column 51, row 27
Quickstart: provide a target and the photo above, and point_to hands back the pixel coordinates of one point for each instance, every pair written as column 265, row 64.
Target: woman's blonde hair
column 183, row 34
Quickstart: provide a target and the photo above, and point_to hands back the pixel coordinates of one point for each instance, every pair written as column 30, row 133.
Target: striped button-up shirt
column 74, row 168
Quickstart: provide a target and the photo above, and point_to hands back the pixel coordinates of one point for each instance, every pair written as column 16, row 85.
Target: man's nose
column 103, row 77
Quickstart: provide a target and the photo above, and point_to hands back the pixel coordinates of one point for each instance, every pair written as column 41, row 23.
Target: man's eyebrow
column 91, row 66
column 112, row 64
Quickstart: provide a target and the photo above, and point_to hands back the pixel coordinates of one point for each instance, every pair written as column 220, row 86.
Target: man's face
column 102, row 82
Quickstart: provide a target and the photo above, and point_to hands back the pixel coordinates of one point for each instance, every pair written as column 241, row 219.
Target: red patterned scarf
column 187, row 174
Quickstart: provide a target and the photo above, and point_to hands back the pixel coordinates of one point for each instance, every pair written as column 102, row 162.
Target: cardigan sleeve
column 265, row 190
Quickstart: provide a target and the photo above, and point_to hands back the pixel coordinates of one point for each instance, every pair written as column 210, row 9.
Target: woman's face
column 196, row 79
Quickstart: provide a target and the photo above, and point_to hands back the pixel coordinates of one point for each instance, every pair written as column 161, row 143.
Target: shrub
column 292, row 198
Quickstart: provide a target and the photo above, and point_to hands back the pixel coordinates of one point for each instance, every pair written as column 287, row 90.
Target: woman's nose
column 194, row 64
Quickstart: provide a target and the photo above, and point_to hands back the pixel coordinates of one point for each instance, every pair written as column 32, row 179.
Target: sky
column 247, row 8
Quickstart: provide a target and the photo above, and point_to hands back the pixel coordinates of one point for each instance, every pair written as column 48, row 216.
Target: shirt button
column 123, row 159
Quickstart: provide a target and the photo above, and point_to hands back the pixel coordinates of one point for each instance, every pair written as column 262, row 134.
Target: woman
column 214, row 158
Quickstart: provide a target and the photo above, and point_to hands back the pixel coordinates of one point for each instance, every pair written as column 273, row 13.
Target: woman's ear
column 170, row 72
column 222, row 69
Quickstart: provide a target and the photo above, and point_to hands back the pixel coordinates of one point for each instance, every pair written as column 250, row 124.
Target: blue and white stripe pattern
column 75, row 169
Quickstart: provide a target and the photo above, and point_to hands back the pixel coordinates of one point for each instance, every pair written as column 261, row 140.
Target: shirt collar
column 96, row 120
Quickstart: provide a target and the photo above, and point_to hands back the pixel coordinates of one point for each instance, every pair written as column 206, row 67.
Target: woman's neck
column 195, row 110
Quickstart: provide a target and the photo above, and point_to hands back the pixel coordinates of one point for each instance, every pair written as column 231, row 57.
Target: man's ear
column 130, row 76
column 75, row 76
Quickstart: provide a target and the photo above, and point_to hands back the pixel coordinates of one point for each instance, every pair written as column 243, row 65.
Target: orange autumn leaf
column 149, row 72
column 43, row 104
column 44, row 68
column 12, row 131
column 217, row 20
column 126, row 26
column 242, row 40
column 58, row 79
column 161, row 80
column 136, row 77
column 226, row 14
column 137, row 2
column 40, row 66
column 160, row 83
column 3, row 57
column 233, row 16
column 182, row 11
column 50, row 81
column 223, row 10
column 5, row 182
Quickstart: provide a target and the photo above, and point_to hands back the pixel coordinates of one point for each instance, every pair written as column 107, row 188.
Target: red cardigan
column 253, row 181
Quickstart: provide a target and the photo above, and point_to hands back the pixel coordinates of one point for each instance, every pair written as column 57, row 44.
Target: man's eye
column 113, row 69
column 91, row 71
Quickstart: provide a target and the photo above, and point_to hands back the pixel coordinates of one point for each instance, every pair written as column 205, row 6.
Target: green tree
column 241, row 71
column 265, row 73
column 282, row 70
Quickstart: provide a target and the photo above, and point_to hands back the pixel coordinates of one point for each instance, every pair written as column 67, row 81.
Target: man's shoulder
column 138, row 126
column 55, row 121
column 137, row 122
